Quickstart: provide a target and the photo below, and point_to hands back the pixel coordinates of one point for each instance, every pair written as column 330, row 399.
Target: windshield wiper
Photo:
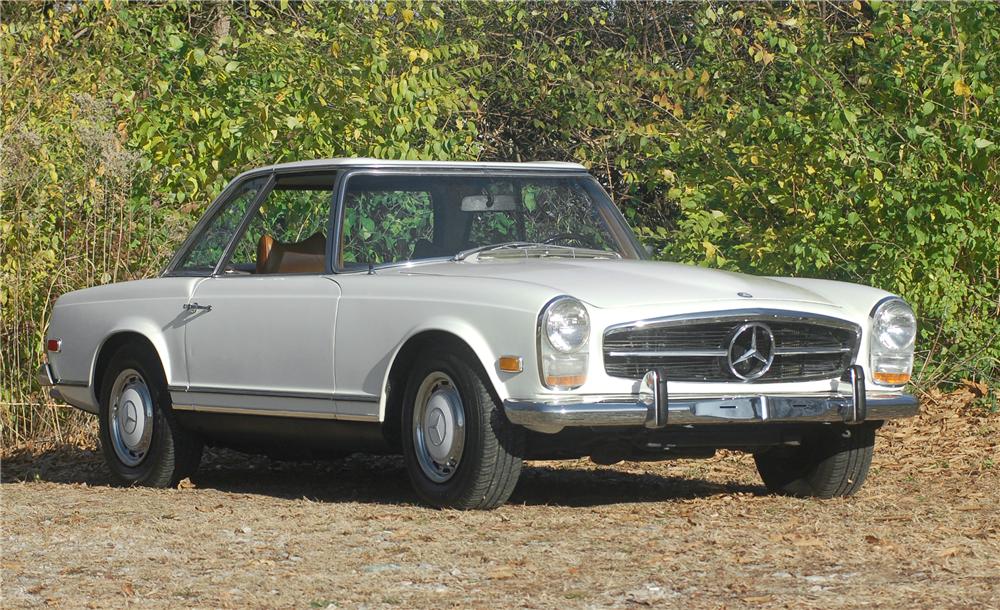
column 464, row 254
column 526, row 245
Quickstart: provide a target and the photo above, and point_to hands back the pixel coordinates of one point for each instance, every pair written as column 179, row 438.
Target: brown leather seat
column 306, row 256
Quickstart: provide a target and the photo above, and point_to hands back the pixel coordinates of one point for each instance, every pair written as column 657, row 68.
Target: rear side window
column 209, row 246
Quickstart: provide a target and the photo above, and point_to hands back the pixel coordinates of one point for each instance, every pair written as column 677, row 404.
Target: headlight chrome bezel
column 562, row 365
column 891, row 343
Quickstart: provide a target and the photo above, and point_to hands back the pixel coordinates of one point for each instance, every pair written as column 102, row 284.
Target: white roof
column 368, row 162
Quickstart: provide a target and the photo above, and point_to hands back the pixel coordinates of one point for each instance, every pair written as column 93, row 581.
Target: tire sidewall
column 161, row 446
column 476, row 415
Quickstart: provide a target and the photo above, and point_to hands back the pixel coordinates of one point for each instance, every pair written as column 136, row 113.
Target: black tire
column 833, row 462
column 173, row 453
column 491, row 460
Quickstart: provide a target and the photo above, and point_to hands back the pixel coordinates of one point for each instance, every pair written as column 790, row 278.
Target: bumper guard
column 654, row 408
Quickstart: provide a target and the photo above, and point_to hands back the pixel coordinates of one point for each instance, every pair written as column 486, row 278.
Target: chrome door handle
column 196, row 307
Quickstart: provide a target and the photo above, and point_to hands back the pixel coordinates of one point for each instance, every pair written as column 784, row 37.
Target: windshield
column 403, row 217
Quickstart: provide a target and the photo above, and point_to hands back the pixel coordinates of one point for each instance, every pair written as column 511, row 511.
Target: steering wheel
column 580, row 239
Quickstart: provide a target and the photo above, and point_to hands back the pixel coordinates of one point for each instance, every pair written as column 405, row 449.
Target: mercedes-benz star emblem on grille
column 751, row 351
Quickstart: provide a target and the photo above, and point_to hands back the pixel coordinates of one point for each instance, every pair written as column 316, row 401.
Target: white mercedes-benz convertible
column 471, row 316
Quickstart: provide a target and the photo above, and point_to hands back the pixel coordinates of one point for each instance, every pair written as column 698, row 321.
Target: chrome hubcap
column 438, row 427
column 130, row 418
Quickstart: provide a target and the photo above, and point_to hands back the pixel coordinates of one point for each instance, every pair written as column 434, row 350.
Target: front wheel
column 831, row 462
column 141, row 441
column 460, row 450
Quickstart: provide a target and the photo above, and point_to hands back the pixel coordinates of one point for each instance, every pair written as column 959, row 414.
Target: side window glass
column 287, row 234
column 205, row 253
column 385, row 226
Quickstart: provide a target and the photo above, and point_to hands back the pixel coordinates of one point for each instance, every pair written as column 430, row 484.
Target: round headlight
column 894, row 325
column 567, row 325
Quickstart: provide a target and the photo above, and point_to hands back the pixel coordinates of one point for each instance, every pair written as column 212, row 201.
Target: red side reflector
column 53, row 345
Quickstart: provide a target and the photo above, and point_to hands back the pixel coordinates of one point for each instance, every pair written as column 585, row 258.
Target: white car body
column 323, row 345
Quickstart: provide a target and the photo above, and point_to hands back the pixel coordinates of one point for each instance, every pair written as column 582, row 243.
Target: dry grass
column 924, row 532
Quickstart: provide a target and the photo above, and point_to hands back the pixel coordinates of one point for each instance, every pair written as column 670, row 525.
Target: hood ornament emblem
column 751, row 351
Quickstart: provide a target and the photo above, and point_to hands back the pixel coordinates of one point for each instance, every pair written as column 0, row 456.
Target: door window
column 384, row 223
column 205, row 252
column 288, row 232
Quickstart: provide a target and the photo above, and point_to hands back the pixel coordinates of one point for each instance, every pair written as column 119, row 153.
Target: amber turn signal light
column 891, row 378
column 511, row 364
column 571, row 381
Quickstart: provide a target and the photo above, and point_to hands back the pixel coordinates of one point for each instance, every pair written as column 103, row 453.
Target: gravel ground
column 247, row 532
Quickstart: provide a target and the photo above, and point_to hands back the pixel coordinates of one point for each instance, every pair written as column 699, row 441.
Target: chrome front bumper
column 660, row 411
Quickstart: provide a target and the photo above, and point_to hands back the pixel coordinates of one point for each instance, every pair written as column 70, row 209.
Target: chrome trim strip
column 803, row 351
column 72, row 383
column 714, row 353
column 745, row 315
column 552, row 417
column 336, row 396
column 274, row 413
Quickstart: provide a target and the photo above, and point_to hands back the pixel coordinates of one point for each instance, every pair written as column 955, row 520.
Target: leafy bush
column 850, row 141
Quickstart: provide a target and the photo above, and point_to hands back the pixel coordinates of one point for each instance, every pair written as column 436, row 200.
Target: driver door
column 260, row 335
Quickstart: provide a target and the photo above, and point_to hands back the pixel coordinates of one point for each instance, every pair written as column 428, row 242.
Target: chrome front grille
column 803, row 346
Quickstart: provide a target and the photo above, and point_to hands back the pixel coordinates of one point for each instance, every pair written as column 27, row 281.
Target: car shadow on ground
column 372, row 479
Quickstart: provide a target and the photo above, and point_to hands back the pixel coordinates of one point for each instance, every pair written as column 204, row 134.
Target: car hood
column 624, row 283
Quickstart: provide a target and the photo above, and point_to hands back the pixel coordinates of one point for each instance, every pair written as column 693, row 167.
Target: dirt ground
column 923, row 533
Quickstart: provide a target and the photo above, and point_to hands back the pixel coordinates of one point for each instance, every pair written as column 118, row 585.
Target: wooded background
column 853, row 141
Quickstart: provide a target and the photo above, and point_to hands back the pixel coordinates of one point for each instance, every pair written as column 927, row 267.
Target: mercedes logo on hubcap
column 436, row 429
column 131, row 418
column 751, row 351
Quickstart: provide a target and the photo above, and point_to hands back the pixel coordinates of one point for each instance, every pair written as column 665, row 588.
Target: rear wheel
column 140, row 439
column 832, row 462
column 460, row 449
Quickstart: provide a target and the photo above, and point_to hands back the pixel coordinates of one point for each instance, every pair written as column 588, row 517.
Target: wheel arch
column 111, row 344
column 393, row 386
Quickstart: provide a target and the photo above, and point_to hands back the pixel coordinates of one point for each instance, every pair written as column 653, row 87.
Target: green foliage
column 850, row 141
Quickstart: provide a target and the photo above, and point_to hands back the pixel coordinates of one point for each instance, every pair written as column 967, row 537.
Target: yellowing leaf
column 962, row 89
column 704, row 76
column 407, row 15
column 856, row 4
column 859, row 41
